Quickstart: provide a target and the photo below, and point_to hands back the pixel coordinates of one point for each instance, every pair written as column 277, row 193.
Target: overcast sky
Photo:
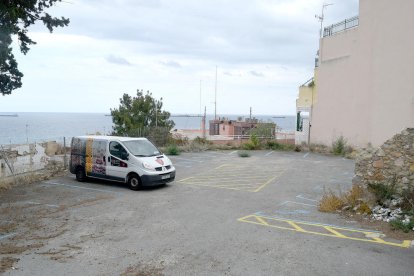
column 264, row 49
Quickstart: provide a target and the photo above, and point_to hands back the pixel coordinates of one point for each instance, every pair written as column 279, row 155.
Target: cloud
column 256, row 74
column 171, row 63
column 117, row 60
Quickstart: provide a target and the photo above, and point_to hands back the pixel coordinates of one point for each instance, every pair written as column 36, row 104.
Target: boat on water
column 9, row 115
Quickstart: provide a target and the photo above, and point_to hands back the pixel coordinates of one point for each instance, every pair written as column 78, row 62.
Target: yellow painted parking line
column 265, row 184
column 224, row 165
column 333, row 231
column 182, row 180
column 242, row 177
column 298, row 228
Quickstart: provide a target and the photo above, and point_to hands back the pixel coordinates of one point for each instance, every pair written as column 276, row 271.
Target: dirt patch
column 381, row 226
column 142, row 270
column 36, row 214
column 61, row 254
column 7, row 263
column 7, row 248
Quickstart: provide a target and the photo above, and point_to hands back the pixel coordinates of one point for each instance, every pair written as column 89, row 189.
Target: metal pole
column 215, row 98
column 64, row 152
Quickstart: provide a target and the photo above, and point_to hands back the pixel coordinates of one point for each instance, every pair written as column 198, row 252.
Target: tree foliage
column 139, row 112
column 16, row 16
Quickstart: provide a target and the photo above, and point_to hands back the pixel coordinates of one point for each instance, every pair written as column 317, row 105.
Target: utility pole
column 215, row 98
column 200, row 98
column 322, row 17
column 27, row 136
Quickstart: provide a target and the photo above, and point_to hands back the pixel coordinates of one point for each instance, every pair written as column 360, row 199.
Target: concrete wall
column 365, row 78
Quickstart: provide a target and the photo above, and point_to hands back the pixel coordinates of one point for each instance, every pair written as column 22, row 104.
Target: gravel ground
column 224, row 215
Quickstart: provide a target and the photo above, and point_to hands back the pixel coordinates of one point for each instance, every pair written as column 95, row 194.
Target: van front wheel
column 80, row 174
column 134, row 182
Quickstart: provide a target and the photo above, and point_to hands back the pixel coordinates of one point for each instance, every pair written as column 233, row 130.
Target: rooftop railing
column 341, row 26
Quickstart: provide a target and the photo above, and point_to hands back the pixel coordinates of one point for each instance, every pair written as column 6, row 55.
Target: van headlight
column 148, row 166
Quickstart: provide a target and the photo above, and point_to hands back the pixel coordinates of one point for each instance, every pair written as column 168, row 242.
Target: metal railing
column 341, row 26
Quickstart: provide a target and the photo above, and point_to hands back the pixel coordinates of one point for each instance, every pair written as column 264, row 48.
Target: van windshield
column 142, row 148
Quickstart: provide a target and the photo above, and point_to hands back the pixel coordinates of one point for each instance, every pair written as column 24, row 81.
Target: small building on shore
column 239, row 128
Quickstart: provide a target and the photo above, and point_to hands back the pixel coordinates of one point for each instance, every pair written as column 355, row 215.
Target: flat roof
column 102, row 137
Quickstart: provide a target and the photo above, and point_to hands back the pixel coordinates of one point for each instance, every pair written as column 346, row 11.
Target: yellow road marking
column 224, row 165
column 334, row 232
column 263, row 220
column 267, row 182
column 300, row 229
column 182, row 180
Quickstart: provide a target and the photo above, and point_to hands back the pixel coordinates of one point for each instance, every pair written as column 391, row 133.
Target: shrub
column 400, row 225
column 202, row 141
column 248, row 146
column 172, row 150
column 330, row 202
column 382, row 192
column 243, row 154
column 254, row 141
column 339, row 146
column 408, row 201
column 353, row 199
column 274, row 145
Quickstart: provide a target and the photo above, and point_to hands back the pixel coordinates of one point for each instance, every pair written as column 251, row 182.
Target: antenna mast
column 215, row 98
column 322, row 17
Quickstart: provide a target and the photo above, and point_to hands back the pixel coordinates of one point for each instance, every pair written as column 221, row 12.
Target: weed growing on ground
column 253, row 144
column 172, row 150
column 382, row 192
column 330, row 202
column 352, row 200
column 400, row 225
column 275, row 145
column 339, row 146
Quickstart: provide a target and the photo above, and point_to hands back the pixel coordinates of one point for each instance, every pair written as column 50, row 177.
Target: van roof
column 102, row 137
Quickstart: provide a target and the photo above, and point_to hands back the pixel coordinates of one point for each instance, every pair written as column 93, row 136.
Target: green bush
column 254, row 141
column 248, row 146
column 382, row 192
column 400, row 225
column 202, row 141
column 274, row 145
column 243, row 154
column 339, row 146
column 172, row 150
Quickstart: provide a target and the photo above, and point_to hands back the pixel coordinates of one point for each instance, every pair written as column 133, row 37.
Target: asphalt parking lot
column 224, row 215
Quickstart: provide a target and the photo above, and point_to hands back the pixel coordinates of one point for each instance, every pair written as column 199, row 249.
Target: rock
column 380, row 153
column 379, row 164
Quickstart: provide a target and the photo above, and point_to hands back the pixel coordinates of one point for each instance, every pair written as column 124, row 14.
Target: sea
column 30, row 127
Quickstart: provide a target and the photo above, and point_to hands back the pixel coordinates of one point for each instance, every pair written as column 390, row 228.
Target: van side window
column 117, row 150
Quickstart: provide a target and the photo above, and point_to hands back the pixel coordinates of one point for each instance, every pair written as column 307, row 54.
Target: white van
column 135, row 161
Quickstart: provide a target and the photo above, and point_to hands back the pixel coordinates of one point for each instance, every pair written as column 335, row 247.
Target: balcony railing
column 341, row 26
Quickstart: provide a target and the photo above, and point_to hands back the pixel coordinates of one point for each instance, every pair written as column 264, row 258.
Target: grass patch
column 400, row 225
column 275, row 145
column 351, row 200
column 172, row 150
column 382, row 192
column 339, row 146
column 244, row 154
column 330, row 202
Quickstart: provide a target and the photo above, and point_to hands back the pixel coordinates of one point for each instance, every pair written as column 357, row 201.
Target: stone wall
column 393, row 162
column 21, row 159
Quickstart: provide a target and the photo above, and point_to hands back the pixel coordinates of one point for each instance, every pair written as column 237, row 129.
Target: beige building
column 364, row 89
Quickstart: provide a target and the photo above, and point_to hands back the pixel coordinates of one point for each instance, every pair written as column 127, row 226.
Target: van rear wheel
column 80, row 174
column 134, row 182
